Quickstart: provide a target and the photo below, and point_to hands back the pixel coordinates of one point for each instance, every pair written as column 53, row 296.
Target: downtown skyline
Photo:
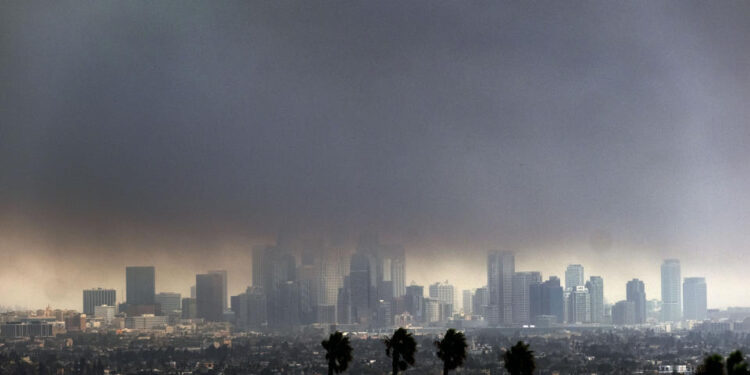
column 612, row 135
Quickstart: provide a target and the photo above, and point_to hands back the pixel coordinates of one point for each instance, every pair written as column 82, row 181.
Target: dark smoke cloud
column 571, row 130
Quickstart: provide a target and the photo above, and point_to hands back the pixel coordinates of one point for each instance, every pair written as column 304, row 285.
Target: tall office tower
column 250, row 308
column 330, row 280
column 140, row 284
column 290, row 311
column 359, row 280
column 258, row 265
column 671, row 308
column 574, row 276
column 398, row 272
column 694, row 298
column 224, row 291
column 480, row 301
column 415, row 302
column 636, row 293
column 444, row 293
column 98, row 297
column 500, row 269
column 189, row 308
column 579, row 305
column 344, row 303
column 432, row 311
column 308, row 274
column 331, row 276
column 522, row 281
column 169, row 302
column 466, row 296
column 546, row 299
column 595, row 285
column 208, row 288
column 623, row 313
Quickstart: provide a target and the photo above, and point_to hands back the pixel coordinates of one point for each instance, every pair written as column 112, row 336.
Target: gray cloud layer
column 443, row 125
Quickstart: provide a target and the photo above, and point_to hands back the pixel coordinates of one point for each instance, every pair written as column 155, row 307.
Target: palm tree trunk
column 394, row 364
column 445, row 370
column 330, row 370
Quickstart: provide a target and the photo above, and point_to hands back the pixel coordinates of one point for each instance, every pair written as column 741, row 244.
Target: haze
column 181, row 134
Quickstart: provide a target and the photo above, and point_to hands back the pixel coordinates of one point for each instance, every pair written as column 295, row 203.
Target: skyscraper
column 444, row 293
column 208, row 289
column 595, row 285
column 466, row 301
column 522, row 281
column 258, row 264
column 546, row 299
column 694, row 293
column 671, row 308
column 500, row 269
column 623, row 313
column 359, row 281
column 574, row 276
column 140, row 283
column 224, row 295
column 415, row 302
column 579, row 305
column 636, row 293
column 98, row 297
column 480, row 302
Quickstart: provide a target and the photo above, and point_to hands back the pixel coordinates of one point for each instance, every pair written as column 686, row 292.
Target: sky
column 182, row 134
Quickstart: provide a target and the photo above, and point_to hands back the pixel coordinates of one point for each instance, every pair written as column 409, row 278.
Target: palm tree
column 712, row 365
column 451, row 350
column 338, row 352
column 736, row 364
column 519, row 360
column 401, row 348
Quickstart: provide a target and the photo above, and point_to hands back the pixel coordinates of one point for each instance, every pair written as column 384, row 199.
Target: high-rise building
column 636, row 293
column 466, row 302
column 694, row 293
column 671, row 289
column 574, row 276
column 208, row 288
column 500, row 269
column 522, row 282
column 98, row 297
column 595, row 285
column 432, row 310
column 258, row 265
column 140, row 283
column 169, row 302
column 480, row 302
column 444, row 293
column 308, row 275
column 250, row 308
column 189, row 308
column 546, row 299
column 579, row 305
column 224, row 295
column 623, row 313
column 361, row 290
column 415, row 302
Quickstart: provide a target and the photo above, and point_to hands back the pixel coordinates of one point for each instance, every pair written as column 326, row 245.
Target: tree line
column 401, row 347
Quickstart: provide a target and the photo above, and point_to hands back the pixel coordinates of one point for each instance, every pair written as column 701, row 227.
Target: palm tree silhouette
column 712, row 365
column 401, row 348
column 451, row 350
column 338, row 352
column 519, row 360
column 736, row 364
